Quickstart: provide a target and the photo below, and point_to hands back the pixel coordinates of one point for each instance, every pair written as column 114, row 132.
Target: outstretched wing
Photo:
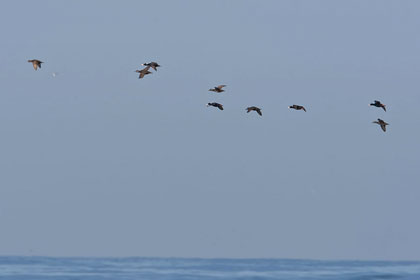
column 220, row 87
column 259, row 112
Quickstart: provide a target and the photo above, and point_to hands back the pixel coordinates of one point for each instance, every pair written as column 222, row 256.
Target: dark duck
column 214, row 104
column 218, row 88
column 378, row 104
column 297, row 107
column 152, row 64
column 143, row 72
column 382, row 123
column 35, row 63
column 253, row 108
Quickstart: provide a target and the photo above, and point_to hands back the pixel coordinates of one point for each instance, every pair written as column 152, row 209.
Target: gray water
column 37, row 268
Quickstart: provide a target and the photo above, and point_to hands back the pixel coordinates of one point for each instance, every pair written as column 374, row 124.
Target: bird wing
column 383, row 126
column 259, row 112
column 383, row 107
column 144, row 71
column 220, row 106
column 35, row 65
column 220, row 87
column 154, row 67
column 303, row 108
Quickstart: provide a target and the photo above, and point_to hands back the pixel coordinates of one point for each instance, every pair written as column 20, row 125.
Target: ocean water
column 45, row 268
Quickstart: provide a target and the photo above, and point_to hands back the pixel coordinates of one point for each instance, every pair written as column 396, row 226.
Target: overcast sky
column 95, row 162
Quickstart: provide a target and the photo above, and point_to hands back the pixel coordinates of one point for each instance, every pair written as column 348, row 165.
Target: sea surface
column 46, row 268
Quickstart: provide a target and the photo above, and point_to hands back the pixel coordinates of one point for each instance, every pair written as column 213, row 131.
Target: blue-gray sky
column 95, row 162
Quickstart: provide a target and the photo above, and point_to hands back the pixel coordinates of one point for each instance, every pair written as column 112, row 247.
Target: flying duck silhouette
column 214, row 104
column 378, row 104
column 382, row 124
column 143, row 72
column 218, row 88
column 35, row 63
column 152, row 64
column 253, row 108
column 297, row 107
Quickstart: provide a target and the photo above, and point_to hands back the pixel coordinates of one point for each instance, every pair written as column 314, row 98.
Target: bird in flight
column 214, row 104
column 143, row 72
column 152, row 64
column 253, row 108
column 35, row 63
column 382, row 124
column 378, row 104
column 218, row 88
column 297, row 107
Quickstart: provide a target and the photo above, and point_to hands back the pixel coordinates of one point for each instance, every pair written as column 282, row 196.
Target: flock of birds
column 218, row 89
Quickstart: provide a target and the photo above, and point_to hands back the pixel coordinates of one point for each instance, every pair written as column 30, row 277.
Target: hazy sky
column 95, row 162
